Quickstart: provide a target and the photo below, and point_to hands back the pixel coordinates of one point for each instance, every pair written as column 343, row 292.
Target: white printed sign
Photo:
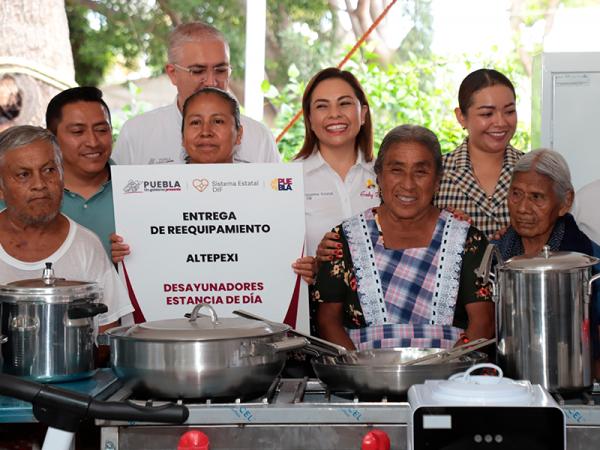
column 221, row 234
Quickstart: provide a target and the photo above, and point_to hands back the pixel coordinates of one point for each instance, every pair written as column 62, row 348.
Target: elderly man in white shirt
column 198, row 56
column 34, row 232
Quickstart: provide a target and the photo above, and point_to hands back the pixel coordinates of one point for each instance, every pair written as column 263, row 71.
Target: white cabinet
column 566, row 110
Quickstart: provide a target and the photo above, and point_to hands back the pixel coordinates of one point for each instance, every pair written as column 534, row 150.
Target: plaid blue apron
column 407, row 296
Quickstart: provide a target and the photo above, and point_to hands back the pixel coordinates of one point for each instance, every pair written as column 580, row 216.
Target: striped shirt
column 459, row 189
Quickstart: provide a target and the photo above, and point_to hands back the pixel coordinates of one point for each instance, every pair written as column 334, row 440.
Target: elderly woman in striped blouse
column 406, row 276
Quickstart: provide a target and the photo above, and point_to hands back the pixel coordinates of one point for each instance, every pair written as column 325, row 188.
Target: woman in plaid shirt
column 405, row 277
column 477, row 174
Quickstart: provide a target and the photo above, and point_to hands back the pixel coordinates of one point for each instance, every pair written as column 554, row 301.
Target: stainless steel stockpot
column 543, row 319
column 49, row 327
column 203, row 356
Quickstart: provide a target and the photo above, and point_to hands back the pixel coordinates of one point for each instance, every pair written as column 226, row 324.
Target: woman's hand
column 118, row 249
column 329, row 247
column 459, row 214
column 498, row 234
column 306, row 267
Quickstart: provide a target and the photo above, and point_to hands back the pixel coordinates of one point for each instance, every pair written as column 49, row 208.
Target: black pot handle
column 84, row 310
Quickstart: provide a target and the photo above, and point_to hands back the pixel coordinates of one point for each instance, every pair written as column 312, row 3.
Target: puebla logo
column 282, row 184
column 139, row 186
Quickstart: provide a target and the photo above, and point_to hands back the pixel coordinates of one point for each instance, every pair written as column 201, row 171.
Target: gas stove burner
column 590, row 397
column 136, row 394
column 577, row 398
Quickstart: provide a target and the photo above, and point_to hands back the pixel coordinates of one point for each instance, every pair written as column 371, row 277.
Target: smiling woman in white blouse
column 337, row 155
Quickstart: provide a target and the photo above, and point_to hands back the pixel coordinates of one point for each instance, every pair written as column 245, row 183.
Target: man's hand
column 118, row 249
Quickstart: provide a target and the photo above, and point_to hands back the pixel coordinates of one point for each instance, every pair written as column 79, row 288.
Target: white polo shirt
column 81, row 257
column 329, row 200
column 155, row 138
column 586, row 211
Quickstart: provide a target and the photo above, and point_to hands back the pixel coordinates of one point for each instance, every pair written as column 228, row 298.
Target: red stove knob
column 376, row 440
column 193, row 440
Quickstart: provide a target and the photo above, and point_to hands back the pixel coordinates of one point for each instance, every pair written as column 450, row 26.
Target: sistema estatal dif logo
column 282, row 184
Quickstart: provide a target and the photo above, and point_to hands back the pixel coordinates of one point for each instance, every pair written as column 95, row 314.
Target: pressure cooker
column 543, row 317
column 49, row 326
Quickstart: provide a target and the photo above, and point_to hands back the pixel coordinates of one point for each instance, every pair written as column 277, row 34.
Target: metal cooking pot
column 50, row 328
column 200, row 357
column 382, row 372
column 543, row 318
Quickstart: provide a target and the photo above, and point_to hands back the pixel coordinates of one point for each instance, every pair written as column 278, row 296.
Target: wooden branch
column 356, row 29
column 516, row 8
column 375, row 10
column 94, row 6
column 170, row 12
column 549, row 16
column 362, row 13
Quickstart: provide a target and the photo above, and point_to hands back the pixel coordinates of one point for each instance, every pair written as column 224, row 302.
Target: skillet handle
column 287, row 345
column 317, row 345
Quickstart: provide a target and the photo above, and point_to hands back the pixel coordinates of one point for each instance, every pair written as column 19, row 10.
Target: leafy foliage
column 104, row 32
column 303, row 36
column 417, row 91
column 132, row 109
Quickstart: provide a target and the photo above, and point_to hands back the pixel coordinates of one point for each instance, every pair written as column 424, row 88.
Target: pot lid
column 200, row 327
column 483, row 390
column 48, row 289
column 548, row 260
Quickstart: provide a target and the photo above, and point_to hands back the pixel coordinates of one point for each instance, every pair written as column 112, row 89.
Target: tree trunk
column 362, row 17
column 517, row 8
column 36, row 60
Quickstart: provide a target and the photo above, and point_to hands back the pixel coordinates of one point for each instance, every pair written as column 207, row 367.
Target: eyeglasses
column 219, row 73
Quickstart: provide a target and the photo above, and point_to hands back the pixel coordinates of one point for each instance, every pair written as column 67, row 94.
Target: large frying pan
column 381, row 372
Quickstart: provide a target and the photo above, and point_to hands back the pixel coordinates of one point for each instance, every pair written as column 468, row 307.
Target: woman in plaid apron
column 406, row 276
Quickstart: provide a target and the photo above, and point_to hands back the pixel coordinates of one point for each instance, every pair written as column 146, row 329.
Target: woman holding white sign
column 337, row 156
column 211, row 128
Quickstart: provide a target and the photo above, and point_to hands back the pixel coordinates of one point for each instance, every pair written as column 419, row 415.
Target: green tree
column 305, row 32
column 417, row 91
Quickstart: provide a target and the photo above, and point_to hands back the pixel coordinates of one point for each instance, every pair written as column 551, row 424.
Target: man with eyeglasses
column 198, row 56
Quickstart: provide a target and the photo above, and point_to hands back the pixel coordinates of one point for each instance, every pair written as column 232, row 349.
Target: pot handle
column 85, row 309
column 466, row 375
column 103, row 339
column 287, row 345
column 213, row 314
column 316, row 345
column 485, row 268
column 590, row 282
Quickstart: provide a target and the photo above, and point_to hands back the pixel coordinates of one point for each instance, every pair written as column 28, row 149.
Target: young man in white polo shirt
column 198, row 56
